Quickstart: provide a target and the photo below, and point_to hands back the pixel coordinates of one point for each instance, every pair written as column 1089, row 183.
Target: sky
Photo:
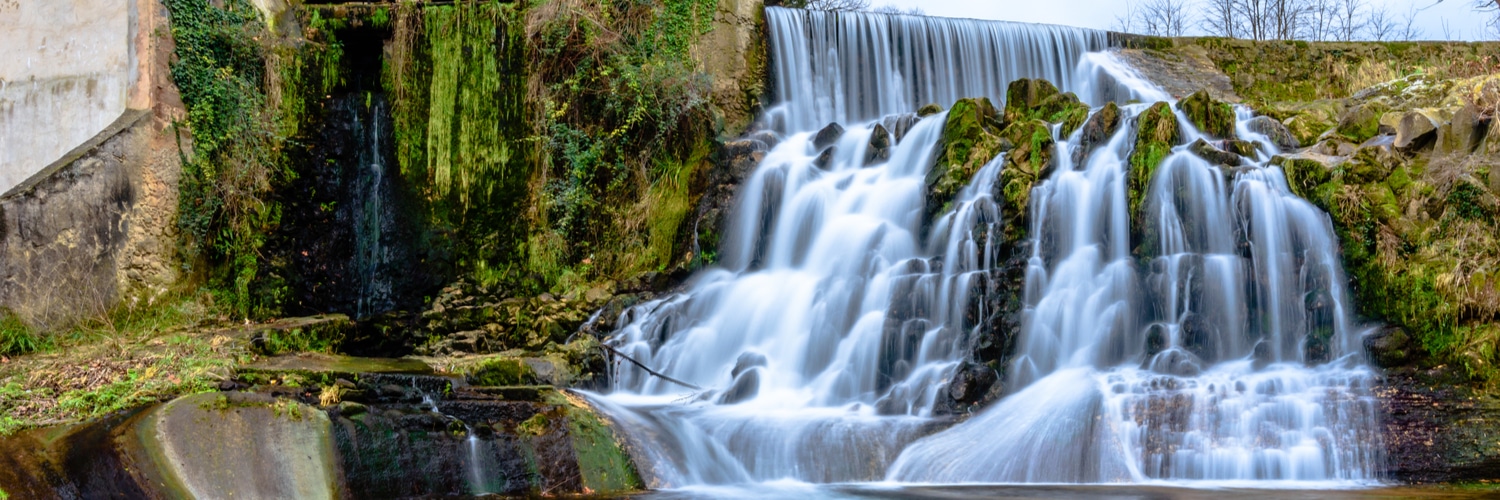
column 1463, row 22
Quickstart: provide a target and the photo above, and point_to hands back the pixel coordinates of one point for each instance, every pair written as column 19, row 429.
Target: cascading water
column 839, row 313
column 1208, row 374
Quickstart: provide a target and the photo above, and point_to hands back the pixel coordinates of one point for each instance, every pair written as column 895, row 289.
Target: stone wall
column 95, row 222
column 65, row 74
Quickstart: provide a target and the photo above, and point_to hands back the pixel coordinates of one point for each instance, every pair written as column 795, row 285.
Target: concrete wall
column 67, row 68
column 94, row 220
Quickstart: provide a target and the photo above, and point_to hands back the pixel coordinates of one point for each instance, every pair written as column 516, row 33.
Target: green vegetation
column 133, row 355
column 16, row 337
column 1210, row 117
column 226, row 210
column 1156, row 134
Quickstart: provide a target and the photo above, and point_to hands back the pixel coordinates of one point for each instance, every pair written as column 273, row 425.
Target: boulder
column 929, row 110
column 828, row 136
column 1368, row 164
column 970, row 140
column 1156, row 133
column 746, row 386
column 1213, row 118
column 1362, row 122
column 1461, row 135
column 1214, row 155
column 879, row 149
column 1097, row 131
column 971, row 382
column 1025, row 96
column 1305, row 171
column 1275, row 131
column 1389, row 347
column 1415, row 129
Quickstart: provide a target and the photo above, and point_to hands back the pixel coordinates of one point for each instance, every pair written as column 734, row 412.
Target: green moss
column 501, row 372
column 1210, row 117
column 1362, row 122
column 1156, row 133
column 535, row 426
column 968, row 143
column 1024, row 98
column 605, row 466
column 1303, row 175
column 226, row 207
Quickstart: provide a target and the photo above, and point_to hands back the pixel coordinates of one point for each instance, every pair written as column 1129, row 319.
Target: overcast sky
column 1463, row 22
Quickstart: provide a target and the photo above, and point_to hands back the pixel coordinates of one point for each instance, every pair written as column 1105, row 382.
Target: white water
column 838, row 316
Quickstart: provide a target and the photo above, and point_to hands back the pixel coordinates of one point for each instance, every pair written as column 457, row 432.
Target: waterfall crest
column 851, row 67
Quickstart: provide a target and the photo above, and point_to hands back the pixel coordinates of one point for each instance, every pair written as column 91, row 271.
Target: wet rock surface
column 306, row 427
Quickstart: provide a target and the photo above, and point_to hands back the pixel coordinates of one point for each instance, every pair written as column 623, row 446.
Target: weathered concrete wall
column 66, row 72
column 96, row 222
column 734, row 56
column 93, row 227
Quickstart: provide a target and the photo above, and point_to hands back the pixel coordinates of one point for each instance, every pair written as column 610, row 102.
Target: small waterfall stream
column 839, row 314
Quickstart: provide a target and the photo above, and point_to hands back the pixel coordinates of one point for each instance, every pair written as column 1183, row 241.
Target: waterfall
column 1194, row 368
column 850, row 67
column 828, row 335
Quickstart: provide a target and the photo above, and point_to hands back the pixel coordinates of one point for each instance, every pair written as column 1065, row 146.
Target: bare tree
column 1317, row 20
column 828, row 5
column 1125, row 23
column 1220, row 18
column 1163, row 17
column 1380, row 25
column 1348, row 19
column 1408, row 30
column 892, row 9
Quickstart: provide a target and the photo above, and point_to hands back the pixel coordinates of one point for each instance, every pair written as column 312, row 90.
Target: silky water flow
column 1222, row 350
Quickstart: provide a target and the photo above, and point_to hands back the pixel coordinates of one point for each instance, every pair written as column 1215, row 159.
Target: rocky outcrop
column 1156, row 134
column 1214, row 118
column 970, row 140
column 330, row 428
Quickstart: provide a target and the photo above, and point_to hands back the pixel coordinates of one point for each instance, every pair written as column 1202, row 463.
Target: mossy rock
column 324, row 333
column 1033, row 148
column 1025, row 96
column 929, row 110
column 1214, row 118
column 604, row 465
column 1368, row 164
column 1097, row 131
column 1156, row 133
column 1362, row 122
column 1304, row 172
column 968, row 143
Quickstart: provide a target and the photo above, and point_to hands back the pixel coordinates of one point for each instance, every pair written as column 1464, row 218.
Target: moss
column 968, row 143
column 534, row 426
column 501, row 372
column 1156, row 133
column 1210, row 117
column 605, row 466
column 1024, row 97
column 1362, row 122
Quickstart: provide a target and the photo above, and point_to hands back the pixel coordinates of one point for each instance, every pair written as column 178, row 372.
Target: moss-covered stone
column 929, row 110
column 602, row 460
column 1024, row 97
column 1368, row 164
column 969, row 141
column 311, row 334
column 1214, row 118
column 1097, row 131
column 1304, row 172
column 1156, row 133
column 1362, row 122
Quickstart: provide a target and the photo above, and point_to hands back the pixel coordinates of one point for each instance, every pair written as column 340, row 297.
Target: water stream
column 838, row 314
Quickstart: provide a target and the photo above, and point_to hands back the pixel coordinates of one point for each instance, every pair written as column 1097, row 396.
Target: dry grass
column 125, row 359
